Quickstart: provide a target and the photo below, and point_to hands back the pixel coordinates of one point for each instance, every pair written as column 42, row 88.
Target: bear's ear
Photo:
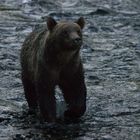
column 51, row 23
column 81, row 22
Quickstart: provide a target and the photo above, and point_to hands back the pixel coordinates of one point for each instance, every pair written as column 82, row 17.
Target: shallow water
column 111, row 57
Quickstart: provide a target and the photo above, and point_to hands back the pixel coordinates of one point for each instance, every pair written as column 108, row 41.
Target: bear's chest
column 63, row 58
column 65, row 64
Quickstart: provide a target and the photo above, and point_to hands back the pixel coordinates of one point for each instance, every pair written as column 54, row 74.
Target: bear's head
column 65, row 35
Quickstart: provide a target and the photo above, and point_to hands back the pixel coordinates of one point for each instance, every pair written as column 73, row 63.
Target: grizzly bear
column 50, row 56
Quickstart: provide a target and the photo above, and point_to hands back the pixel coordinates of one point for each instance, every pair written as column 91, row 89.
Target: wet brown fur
column 49, row 58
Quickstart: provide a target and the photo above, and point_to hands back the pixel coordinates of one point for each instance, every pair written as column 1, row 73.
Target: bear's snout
column 77, row 41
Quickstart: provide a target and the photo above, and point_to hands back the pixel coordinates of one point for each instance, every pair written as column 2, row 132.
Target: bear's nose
column 77, row 40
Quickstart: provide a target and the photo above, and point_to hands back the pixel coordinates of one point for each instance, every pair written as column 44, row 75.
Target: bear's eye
column 64, row 33
column 79, row 32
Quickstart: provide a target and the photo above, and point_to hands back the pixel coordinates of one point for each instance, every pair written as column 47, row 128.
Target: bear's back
column 31, row 49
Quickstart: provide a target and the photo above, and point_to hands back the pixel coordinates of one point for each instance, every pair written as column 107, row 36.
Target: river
column 111, row 57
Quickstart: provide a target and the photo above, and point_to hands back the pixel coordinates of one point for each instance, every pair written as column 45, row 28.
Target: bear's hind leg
column 30, row 94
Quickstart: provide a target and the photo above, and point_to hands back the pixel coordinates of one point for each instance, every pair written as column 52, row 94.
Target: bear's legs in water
column 47, row 103
column 74, row 91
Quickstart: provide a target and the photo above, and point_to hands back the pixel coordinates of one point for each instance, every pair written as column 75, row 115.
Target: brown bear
column 50, row 56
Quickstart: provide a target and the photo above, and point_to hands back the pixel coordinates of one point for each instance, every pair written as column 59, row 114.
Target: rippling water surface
column 111, row 57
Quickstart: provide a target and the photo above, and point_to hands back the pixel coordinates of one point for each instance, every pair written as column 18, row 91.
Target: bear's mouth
column 72, row 48
column 72, row 45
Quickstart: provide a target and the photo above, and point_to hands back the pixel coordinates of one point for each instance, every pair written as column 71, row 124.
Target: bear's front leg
column 76, row 101
column 46, row 98
column 74, row 89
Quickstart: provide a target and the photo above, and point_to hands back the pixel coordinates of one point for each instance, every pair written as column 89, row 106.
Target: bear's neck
column 62, row 58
